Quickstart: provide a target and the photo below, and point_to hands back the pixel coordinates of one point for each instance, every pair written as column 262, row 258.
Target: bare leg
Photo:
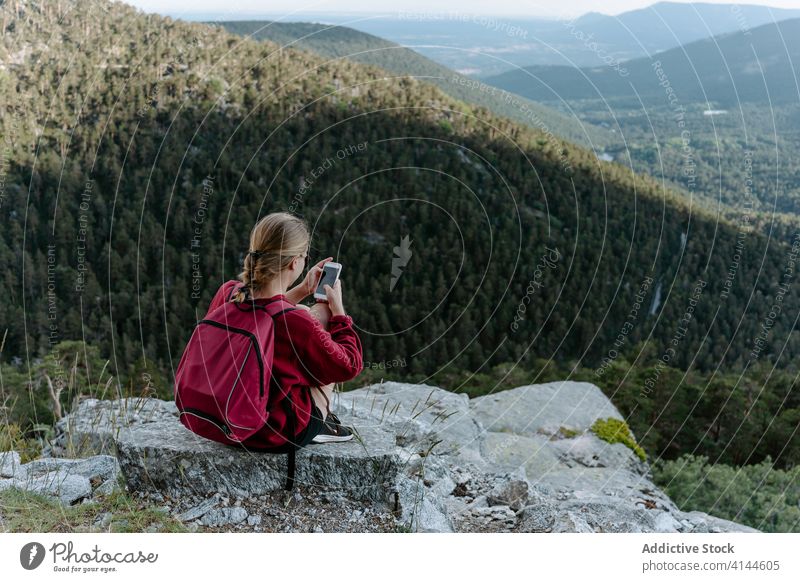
column 322, row 396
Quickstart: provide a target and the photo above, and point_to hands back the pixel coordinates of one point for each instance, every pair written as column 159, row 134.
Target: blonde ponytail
column 274, row 241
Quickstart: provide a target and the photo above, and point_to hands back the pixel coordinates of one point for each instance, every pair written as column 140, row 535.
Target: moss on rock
column 613, row 430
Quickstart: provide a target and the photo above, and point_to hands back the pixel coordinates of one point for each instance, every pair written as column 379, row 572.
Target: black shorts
column 304, row 437
column 315, row 424
column 314, row 427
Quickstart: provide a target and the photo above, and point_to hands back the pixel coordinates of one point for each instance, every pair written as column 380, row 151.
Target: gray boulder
column 543, row 408
column 576, row 482
column 99, row 467
column 666, row 522
column 156, row 453
column 587, row 450
column 418, row 414
column 700, row 522
column 510, row 451
column 166, row 457
column 94, row 426
column 67, row 480
column 64, row 486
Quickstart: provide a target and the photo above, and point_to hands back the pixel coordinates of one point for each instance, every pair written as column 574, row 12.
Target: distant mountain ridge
column 340, row 42
column 757, row 65
column 666, row 25
column 486, row 46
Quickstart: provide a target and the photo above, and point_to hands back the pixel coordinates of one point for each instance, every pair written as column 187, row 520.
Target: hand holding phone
column 312, row 278
column 330, row 275
column 335, row 298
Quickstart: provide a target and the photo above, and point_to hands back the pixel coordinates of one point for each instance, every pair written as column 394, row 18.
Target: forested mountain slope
column 141, row 150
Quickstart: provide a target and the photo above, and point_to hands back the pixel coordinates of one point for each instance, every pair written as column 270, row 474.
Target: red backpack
column 224, row 383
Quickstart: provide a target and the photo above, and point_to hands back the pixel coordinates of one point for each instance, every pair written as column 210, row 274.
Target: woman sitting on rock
column 313, row 347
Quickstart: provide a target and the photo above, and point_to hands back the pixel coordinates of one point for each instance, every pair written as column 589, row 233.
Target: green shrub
column 613, row 430
column 12, row 438
column 759, row 495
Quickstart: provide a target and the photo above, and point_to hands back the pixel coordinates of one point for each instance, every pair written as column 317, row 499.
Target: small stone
column 107, row 488
column 666, row 523
column 513, row 493
column 479, row 501
column 318, row 529
column 104, row 519
column 253, row 520
column 199, row 510
column 332, row 497
column 496, row 513
column 538, row 518
column 235, row 492
column 224, row 516
column 10, row 465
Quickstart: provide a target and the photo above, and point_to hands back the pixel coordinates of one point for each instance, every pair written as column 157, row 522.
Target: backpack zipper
column 253, row 341
column 207, row 417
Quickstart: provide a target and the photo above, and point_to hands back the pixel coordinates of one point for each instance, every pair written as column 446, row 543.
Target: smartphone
column 330, row 274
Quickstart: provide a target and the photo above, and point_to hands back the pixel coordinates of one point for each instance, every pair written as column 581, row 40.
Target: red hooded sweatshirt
column 305, row 355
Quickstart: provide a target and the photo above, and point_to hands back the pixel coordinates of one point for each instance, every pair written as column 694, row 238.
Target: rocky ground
column 302, row 510
column 523, row 460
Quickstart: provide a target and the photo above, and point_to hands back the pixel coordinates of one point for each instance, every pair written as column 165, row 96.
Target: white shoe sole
column 326, row 438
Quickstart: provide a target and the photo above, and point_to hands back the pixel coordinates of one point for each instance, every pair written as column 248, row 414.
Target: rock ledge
column 520, row 460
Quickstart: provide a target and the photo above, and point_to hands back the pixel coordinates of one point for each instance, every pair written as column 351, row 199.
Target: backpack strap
column 291, row 416
column 234, row 288
column 279, row 308
column 284, row 311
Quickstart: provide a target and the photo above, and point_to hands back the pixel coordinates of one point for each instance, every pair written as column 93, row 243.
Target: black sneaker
column 333, row 431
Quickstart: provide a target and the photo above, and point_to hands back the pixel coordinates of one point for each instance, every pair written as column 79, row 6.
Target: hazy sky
column 531, row 8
